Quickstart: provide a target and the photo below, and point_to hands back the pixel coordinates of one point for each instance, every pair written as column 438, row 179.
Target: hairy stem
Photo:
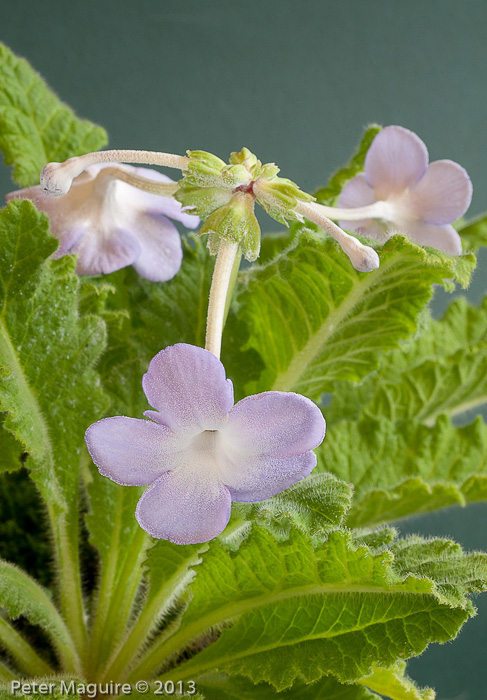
column 22, row 653
column 219, row 293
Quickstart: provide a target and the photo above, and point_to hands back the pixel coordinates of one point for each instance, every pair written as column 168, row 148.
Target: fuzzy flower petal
column 185, row 506
column 396, row 159
column 443, row 194
column 413, row 197
column 199, row 452
column 109, row 224
column 131, row 451
column 188, row 387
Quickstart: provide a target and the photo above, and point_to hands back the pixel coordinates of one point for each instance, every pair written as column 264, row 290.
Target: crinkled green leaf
column 328, row 194
column 394, row 683
column 315, row 504
column 442, row 369
column 21, row 595
column 401, row 470
column 315, row 320
column 223, row 687
column 35, row 127
column 47, row 353
column 291, row 609
column 474, row 233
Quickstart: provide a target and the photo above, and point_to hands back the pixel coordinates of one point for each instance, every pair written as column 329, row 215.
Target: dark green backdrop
column 295, row 81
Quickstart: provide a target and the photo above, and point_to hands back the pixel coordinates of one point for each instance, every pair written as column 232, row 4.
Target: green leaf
column 290, row 609
column 10, row 449
column 474, row 233
column 328, row 194
column 20, row 596
column 315, row 320
column 393, row 683
column 47, row 353
column 315, row 504
column 35, row 127
column 223, row 687
column 442, row 369
column 397, row 471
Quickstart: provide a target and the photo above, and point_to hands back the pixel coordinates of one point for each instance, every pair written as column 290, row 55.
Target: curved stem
column 376, row 210
column 56, row 178
column 362, row 257
column 164, row 189
column 220, row 285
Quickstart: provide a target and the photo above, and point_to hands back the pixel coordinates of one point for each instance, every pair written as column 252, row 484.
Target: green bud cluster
column 225, row 194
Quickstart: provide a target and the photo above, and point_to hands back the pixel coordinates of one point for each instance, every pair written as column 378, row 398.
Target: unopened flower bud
column 235, row 222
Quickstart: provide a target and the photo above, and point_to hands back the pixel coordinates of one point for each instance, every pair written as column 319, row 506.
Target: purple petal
column 167, row 206
column 187, row 385
column 369, row 228
column 275, row 423
column 256, row 478
column 185, row 506
column 161, row 253
column 102, row 252
column 443, row 238
column 443, row 194
column 397, row 159
column 356, row 193
column 131, row 451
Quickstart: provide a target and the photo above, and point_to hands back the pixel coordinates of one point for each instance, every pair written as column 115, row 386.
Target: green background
column 295, row 81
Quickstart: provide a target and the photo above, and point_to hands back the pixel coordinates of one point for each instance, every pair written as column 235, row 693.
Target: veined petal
column 185, row 506
column 131, row 451
column 102, row 254
column 275, row 423
column 258, row 477
column 443, row 238
column 187, row 385
column 443, row 194
column 397, row 159
column 161, row 253
column 356, row 193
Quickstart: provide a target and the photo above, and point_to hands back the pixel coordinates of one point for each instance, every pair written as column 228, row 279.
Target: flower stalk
column 228, row 254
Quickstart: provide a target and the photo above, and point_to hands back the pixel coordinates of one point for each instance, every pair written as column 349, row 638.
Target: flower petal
column 131, row 451
column 185, row 506
column 369, row 228
column 356, row 193
column 165, row 205
column 187, row 385
column 397, row 159
column 443, row 194
column 101, row 252
column 256, row 478
column 443, row 238
column 275, row 423
column 161, row 253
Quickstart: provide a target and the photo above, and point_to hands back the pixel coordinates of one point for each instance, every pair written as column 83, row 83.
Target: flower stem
column 56, row 178
column 377, row 210
column 164, row 189
column 23, row 654
column 362, row 257
column 221, row 289
column 65, row 532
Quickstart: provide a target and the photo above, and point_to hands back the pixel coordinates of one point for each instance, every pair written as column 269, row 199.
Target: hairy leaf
column 47, row 353
column 474, row 233
column 398, row 471
column 315, row 320
column 35, row 127
column 308, row 610
column 393, row 683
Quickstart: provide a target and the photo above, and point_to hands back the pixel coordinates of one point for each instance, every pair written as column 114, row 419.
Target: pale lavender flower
column 417, row 199
column 199, row 452
column 110, row 224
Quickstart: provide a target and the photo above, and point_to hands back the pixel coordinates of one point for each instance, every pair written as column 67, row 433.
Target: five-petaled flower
column 110, row 224
column 415, row 198
column 198, row 451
